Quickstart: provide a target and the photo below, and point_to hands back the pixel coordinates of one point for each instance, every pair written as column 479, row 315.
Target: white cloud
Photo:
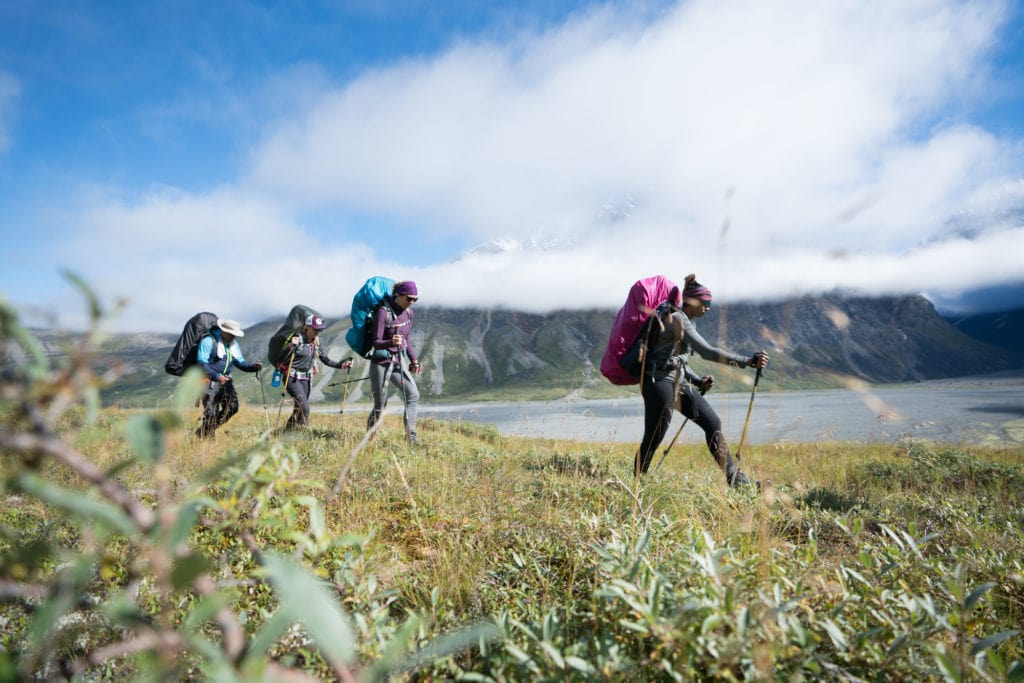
column 824, row 135
column 798, row 105
column 10, row 89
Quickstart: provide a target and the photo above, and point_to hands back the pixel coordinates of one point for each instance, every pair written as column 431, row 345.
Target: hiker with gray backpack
column 392, row 357
column 659, row 358
column 302, row 349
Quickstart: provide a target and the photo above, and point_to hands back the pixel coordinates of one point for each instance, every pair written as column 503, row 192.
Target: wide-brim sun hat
column 230, row 326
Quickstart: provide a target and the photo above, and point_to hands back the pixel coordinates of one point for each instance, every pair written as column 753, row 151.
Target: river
column 968, row 411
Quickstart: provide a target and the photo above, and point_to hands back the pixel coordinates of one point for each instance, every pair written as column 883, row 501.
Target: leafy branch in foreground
column 118, row 583
column 129, row 550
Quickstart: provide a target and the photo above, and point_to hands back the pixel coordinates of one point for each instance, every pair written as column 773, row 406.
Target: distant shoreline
column 982, row 410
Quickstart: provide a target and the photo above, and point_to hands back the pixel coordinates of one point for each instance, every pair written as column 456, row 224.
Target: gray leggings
column 401, row 378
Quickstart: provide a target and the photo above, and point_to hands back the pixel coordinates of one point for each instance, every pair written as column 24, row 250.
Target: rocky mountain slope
column 509, row 355
column 1004, row 329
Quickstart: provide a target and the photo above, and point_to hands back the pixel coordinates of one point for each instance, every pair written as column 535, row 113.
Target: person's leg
column 209, row 425
column 694, row 406
column 378, row 374
column 411, row 394
column 298, row 389
column 227, row 403
column 657, row 416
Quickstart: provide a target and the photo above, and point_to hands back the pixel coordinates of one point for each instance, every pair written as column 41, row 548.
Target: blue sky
column 242, row 157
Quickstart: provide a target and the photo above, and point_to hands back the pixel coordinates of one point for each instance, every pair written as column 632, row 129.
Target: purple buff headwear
column 406, row 287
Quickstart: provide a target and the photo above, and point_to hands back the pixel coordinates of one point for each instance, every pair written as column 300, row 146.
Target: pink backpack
column 644, row 297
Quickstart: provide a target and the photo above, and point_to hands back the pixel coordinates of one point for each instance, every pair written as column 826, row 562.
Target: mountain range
column 487, row 354
column 1004, row 329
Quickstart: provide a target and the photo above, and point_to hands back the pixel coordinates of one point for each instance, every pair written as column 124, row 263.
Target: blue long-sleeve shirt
column 216, row 357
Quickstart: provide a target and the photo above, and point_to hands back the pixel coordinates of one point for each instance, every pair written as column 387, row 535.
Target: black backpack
column 277, row 347
column 183, row 355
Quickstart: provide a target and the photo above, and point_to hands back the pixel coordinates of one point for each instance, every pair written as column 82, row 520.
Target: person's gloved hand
column 257, row 366
column 705, row 383
column 346, row 364
column 415, row 367
column 673, row 363
column 295, row 341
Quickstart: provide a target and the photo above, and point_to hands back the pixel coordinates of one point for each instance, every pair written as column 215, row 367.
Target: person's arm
column 239, row 359
column 414, row 364
column 708, row 352
column 203, row 357
column 340, row 365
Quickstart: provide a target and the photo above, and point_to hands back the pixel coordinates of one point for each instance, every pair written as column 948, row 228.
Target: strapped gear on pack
column 183, row 355
column 623, row 358
column 277, row 347
column 364, row 304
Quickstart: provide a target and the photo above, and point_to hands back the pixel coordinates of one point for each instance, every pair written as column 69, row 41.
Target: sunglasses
column 411, row 298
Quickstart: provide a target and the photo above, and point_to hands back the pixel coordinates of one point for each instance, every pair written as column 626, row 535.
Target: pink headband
column 696, row 291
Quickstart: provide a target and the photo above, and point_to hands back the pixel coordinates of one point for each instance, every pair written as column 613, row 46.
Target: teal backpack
column 364, row 303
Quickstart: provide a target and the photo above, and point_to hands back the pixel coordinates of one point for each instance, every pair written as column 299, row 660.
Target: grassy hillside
column 524, row 560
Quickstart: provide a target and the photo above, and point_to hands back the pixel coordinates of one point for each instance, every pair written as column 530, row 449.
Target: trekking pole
column 405, row 396
column 750, row 408
column 263, row 393
column 674, row 438
column 673, row 443
column 284, row 389
column 357, row 380
column 288, row 375
column 383, row 389
column 344, row 397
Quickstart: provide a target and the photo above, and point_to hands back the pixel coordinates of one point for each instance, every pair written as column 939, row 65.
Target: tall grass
column 856, row 561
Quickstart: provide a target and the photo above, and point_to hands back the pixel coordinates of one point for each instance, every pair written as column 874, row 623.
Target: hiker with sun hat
column 217, row 353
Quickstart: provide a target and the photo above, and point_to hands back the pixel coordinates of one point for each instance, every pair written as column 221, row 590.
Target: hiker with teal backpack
column 217, row 353
column 667, row 339
column 302, row 350
column 392, row 357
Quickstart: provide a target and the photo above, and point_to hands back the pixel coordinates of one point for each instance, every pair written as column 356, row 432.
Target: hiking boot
column 740, row 480
column 412, row 439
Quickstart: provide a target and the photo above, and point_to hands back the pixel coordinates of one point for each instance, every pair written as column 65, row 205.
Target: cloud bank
column 774, row 148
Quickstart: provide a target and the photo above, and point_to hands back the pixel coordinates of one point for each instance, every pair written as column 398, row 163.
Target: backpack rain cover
column 644, row 297
column 183, row 355
column 277, row 347
column 364, row 303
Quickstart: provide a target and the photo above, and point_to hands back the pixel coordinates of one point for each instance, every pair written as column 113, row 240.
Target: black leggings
column 658, row 415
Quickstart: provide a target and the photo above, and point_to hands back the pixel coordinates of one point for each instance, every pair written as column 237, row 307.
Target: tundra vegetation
column 131, row 550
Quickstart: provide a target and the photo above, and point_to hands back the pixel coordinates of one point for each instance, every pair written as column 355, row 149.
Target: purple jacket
column 386, row 324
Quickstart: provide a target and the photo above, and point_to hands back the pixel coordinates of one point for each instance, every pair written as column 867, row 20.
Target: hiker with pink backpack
column 650, row 344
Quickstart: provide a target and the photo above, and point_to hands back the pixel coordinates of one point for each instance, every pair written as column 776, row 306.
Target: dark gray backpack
column 183, row 355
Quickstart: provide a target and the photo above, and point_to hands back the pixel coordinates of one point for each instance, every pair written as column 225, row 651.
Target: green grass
column 856, row 561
